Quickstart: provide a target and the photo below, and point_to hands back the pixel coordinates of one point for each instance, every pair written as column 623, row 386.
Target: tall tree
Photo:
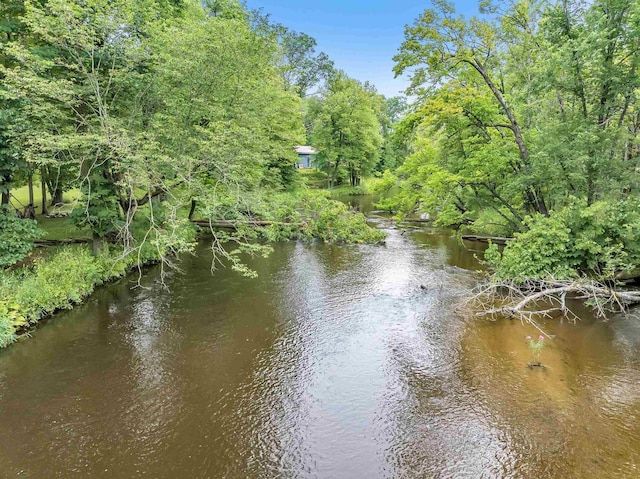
column 346, row 129
column 442, row 46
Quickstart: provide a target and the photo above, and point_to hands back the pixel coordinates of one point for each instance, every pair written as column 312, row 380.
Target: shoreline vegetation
column 526, row 125
column 135, row 119
column 62, row 277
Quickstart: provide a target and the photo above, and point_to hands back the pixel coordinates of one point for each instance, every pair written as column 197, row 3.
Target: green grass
column 20, row 199
column 54, row 228
column 313, row 178
column 61, row 229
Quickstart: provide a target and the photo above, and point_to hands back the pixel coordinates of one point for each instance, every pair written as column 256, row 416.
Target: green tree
column 11, row 29
column 529, row 109
column 346, row 129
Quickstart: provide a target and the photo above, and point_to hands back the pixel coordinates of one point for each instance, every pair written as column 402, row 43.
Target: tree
column 440, row 47
column 11, row 29
column 393, row 149
column 302, row 69
column 346, row 129
column 529, row 110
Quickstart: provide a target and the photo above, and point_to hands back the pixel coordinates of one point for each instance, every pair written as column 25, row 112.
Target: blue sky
column 360, row 36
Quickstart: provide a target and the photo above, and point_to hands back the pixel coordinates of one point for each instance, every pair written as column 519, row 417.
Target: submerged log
column 52, row 242
column 486, row 239
column 234, row 224
column 417, row 220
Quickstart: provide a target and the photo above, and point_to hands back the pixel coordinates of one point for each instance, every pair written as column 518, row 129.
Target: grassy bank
column 57, row 281
column 20, row 199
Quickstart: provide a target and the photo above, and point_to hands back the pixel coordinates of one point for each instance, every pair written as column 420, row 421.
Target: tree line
column 160, row 111
column 526, row 122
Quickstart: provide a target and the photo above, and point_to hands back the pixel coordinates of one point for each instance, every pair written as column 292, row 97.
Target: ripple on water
column 336, row 362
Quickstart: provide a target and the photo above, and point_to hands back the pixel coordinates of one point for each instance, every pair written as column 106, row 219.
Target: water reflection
column 337, row 362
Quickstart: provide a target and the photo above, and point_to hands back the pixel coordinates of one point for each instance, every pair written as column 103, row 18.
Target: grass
column 56, row 281
column 61, row 229
column 20, row 199
column 54, row 228
column 313, row 178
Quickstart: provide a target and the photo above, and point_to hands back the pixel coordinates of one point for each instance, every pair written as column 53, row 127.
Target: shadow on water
column 336, row 362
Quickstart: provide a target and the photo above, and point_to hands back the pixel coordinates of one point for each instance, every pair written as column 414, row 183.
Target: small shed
column 306, row 156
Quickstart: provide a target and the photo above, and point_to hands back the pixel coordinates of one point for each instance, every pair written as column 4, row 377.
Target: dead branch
column 545, row 299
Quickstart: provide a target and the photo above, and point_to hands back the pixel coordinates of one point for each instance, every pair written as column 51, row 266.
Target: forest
column 160, row 120
column 526, row 123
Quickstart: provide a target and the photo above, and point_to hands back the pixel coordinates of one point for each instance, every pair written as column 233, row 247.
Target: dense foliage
column 159, row 112
column 17, row 237
column 602, row 239
column 346, row 129
column 54, row 283
column 526, row 120
column 310, row 215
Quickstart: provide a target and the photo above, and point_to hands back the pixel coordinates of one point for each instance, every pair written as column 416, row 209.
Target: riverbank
column 57, row 281
column 60, row 277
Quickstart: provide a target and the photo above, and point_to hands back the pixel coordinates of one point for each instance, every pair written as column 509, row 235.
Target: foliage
column 65, row 278
column 147, row 107
column 309, row 215
column 17, row 236
column 346, row 129
column 601, row 240
column 529, row 108
column 54, row 283
column 394, row 146
column 301, row 68
column 535, row 347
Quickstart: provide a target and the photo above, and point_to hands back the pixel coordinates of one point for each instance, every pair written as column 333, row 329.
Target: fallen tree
column 532, row 300
column 235, row 224
column 487, row 239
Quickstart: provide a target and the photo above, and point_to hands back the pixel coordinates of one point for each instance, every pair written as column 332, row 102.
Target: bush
column 329, row 220
column 600, row 241
column 16, row 236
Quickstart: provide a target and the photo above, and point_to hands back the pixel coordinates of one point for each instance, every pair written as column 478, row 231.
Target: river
column 336, row 362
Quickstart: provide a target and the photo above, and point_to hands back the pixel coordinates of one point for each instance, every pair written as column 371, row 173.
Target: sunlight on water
column 337, row 362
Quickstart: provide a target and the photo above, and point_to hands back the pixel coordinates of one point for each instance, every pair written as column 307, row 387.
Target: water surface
column 336, row 362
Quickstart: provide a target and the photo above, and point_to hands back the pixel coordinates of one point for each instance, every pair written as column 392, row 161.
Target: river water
column 336, row 362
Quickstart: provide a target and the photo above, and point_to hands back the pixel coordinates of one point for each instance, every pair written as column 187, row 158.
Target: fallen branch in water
column 487, row 239
column 523, row 301
column 231, row 224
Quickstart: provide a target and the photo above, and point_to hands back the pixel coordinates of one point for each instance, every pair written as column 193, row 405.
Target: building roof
column 305, row 150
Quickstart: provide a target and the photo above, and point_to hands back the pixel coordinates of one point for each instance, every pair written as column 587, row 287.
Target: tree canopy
column 157, row 111
column 527, row 109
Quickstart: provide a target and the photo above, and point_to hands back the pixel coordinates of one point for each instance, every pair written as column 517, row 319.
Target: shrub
column 600, row 241
column 16, row 236
column 54, row 283
column 329, row 220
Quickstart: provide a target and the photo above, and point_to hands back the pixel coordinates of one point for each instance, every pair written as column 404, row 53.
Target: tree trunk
column 334, row 176
column 56, row 196
column 533, row 194
column 193, row 209
column 31, row 189
column 97, row 244
column 43, row 187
